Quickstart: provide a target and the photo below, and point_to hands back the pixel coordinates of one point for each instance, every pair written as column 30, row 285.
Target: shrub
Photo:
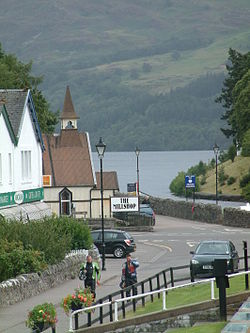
column 15, row 260
column 246, row 144
column 222, row 177
column 212, row 164
column 223, row 156
column 231, row 180
column 203, row 180
column 54, row 237
column 198, row 170
column 246, row 192
column 78, row 230
column 177, row 185
column 245, row 180
column 232, row 152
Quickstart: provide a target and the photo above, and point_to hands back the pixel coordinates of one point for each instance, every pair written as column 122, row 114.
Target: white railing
column 162, row 291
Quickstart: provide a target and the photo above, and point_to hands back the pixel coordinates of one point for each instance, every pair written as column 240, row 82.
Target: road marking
column 159, row 245
column 158, row 240
column 158, row 256
column 142, row 240
column 199, row 228
column 192, row 244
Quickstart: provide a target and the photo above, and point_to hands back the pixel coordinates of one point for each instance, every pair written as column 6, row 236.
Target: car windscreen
column 212, row 248
column 146, row 210
column 127, row 235
column 95, row 235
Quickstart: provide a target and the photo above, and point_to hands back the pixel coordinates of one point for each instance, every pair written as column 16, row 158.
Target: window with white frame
column 10, row 168
column 1, row 170
column 26, row 165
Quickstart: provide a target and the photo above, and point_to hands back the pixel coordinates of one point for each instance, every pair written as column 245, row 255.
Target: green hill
column 239, row 168
column 123, row 60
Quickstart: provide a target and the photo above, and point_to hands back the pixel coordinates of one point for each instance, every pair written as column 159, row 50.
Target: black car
column 146, row 210
column 146, row 214
column 117, row 242
column 201, row 264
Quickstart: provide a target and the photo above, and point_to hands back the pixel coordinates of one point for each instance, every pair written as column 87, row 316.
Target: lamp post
column 137, row 152
column 216, row 152
column 101, row 147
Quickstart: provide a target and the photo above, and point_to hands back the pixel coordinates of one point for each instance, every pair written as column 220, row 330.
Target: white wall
column 27, row 140
column 6, row 147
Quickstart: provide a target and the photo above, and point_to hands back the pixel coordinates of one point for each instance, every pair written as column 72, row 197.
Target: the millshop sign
column 19, row 197
column 124, row 204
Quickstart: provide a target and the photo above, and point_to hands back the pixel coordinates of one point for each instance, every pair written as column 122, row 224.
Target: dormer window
column 70, row 125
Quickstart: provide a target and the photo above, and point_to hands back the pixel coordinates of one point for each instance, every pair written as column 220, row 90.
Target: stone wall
column 236, row 218
column 185, row 210
column 28, row 285
column 209, row 213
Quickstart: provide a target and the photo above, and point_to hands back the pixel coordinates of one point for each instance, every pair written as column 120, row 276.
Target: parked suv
column 117, row 242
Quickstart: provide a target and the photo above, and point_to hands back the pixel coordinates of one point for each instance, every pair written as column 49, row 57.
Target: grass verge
column 187, row 295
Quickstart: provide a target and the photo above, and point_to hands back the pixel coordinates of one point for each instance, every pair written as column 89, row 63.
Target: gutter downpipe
column 90, row 200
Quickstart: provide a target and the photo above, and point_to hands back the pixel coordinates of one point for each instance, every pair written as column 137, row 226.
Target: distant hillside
column 239, row 168
column 123, row 61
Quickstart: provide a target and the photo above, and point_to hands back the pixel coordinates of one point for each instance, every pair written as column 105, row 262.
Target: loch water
column 156, row 169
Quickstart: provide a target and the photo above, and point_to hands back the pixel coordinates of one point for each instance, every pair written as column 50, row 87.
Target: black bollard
column 246, row 264
column 220, row 271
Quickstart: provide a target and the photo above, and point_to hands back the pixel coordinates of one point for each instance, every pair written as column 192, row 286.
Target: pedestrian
column 129, row 274
column 91, row 274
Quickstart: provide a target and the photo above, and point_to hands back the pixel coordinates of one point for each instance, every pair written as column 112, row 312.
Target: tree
column 246, row 144
column 240, row 116
column 16, row 75
column 237, row 66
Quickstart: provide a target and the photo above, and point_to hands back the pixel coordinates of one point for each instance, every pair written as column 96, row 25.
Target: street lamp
column 101, row 147
column 137, row 152
column 216, row 152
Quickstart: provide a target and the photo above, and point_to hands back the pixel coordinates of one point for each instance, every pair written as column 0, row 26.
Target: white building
column 21, row 146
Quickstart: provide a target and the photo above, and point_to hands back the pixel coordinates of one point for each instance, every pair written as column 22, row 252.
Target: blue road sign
column 190, row 181
column 131, row 187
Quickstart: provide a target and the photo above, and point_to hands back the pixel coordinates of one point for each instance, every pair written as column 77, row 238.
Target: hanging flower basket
column 81, row 298
column 41, row 317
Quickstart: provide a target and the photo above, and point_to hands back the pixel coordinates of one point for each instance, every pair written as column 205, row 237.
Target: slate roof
column 110, row 180
column 67, row 159
column 14, row 101
column 68, row 111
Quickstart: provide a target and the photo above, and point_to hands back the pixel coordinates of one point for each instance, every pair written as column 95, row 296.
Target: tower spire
column 68, row 116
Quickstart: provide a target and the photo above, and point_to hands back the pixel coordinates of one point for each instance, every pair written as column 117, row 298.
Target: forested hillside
column 141, row 72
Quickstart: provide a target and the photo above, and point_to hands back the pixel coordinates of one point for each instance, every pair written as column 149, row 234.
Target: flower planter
column 42, row 317
column 75, row 307
column 40, row 327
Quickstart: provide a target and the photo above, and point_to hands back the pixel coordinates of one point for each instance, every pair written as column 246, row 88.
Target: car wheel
column 119, row 252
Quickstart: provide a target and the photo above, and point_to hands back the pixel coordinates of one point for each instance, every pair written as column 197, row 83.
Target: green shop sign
column 19, row 197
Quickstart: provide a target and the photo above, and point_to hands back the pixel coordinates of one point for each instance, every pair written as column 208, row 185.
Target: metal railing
column 162, row 292
column 164, row 279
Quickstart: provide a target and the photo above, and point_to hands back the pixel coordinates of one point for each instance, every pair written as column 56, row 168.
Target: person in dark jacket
column 91, row 274
column 129, row 274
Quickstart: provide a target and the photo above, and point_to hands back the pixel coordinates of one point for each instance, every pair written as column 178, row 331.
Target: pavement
column 13, row 317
